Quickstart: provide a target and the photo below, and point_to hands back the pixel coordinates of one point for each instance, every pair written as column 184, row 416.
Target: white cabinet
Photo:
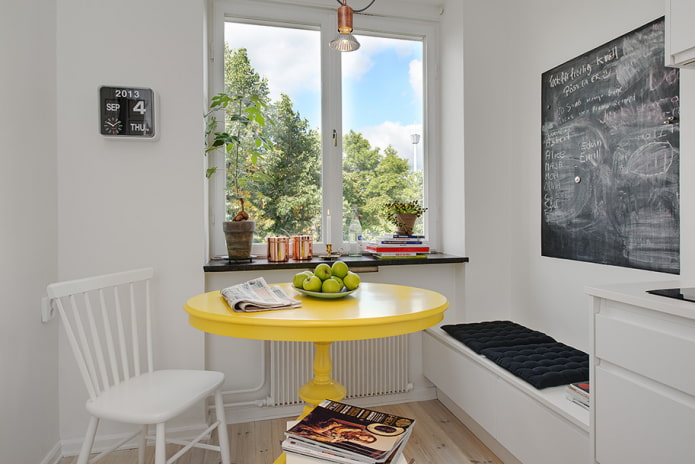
column 680, row 33
column 642, row 375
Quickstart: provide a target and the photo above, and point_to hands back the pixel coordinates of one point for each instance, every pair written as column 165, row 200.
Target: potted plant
column 243, row 145
column 403, row 215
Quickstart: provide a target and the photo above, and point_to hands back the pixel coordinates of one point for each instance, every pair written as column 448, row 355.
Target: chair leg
column 142, row 441
column 222, row 428
column 160, row 453
column 88, row 440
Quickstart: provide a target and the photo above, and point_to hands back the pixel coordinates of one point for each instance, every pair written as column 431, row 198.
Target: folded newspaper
column 257, row 295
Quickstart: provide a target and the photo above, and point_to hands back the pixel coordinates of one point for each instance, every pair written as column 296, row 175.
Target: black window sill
column 262, row 264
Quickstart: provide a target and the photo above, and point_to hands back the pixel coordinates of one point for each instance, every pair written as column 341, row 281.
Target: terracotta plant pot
column 406, row 222
column 239, row 238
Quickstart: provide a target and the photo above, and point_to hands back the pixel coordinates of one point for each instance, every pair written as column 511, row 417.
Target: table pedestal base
column 321, row 387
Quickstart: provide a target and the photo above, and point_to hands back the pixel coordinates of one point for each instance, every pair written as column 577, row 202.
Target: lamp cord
column 342, row 2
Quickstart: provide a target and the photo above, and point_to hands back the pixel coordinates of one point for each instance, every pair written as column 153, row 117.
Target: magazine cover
column 297, row 452
column 352, row 431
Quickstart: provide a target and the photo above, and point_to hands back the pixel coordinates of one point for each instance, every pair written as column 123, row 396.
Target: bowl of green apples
column 327, row 282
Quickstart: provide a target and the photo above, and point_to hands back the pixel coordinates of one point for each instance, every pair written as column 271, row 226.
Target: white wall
column 511, row 44
column 453, row 166
column 131, row 203
column 488, row 151
column 28, row 258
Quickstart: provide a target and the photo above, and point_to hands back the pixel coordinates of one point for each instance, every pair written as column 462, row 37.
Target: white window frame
column 325, row 20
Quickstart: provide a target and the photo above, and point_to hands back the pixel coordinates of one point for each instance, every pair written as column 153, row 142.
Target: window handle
column 335, row 138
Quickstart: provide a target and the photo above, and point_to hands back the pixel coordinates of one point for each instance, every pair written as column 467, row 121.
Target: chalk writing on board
column 610, row 155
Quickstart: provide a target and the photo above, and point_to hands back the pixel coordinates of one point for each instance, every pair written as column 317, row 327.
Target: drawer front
column 469, row 385
column 653, row 348
column 641, row 422
column 534, row 433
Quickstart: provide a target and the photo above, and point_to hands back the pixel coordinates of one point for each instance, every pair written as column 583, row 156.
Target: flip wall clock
column 127, row 112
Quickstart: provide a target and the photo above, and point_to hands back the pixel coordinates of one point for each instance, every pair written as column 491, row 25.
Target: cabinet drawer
column 649, row 347
column 641, row 422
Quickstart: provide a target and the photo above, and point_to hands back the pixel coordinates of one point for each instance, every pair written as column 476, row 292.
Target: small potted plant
column 243, row 144
column 403, row 215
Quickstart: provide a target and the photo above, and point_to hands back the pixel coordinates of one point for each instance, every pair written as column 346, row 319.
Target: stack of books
column 398, row 246
column 336, row 432
column 579, row 393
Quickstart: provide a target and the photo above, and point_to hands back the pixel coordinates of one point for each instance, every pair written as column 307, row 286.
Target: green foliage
column 242, row 141
column 399, row 207
column 246, row 112
column 240, row 77
column 291, row 194
column 372, row 179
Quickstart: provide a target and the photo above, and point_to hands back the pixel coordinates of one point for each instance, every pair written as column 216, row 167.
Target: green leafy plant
column 400, row 207
column 242, row 141
column 394, row 208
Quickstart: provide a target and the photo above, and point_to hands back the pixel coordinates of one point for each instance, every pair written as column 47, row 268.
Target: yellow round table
column 373, row 311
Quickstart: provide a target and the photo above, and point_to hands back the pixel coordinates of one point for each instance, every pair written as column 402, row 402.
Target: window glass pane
column 281, row 65
column 382, row 130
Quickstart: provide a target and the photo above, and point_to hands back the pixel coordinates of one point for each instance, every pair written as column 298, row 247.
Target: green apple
column 322, row 271
column 351, row 281
column 339, row 280
column 312, row 284
column 299, row 278
column 339, row 269
column 331, row 286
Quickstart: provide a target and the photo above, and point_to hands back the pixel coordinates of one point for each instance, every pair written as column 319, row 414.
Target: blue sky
column 384, row 90
column 382, row 80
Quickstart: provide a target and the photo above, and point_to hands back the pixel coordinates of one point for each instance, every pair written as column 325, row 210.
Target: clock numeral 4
column 140, row 107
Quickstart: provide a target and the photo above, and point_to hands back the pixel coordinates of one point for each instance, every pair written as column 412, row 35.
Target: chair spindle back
column 107, row 318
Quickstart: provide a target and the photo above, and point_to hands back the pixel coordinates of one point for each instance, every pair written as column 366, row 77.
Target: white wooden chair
column 108, row 323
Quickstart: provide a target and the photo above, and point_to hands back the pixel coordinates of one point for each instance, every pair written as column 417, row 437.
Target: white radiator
column 365, row 367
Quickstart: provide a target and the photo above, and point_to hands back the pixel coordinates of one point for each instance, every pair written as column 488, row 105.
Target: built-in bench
column 520, row 423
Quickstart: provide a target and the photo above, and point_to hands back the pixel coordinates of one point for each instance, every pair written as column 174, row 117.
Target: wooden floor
column 438, row 438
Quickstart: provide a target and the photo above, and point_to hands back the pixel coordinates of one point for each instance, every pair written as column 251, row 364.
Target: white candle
column 328, row 226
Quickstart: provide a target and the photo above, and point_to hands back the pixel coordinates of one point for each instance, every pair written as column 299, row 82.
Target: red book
column 397, row 248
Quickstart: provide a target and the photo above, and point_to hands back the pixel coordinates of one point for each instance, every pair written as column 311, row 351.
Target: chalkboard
column 610, row 155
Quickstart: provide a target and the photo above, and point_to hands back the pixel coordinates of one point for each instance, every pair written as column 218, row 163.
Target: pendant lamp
column 345, row 41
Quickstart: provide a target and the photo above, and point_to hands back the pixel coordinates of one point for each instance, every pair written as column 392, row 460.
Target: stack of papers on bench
column 336, row 432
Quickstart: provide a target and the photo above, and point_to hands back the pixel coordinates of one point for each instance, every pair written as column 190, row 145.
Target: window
column 382, row 112
column 348, row 130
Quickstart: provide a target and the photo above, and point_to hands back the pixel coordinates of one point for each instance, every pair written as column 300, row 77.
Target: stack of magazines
column 336, row 432
column 579, row 393
column 257, row 295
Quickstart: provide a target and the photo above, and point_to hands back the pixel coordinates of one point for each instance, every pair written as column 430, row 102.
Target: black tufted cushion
column 542, row 365
column 530, row 355
column 480, row 335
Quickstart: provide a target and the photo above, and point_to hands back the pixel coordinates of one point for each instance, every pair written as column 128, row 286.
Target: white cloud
column 357, row 64
column 396, row 135
column 289, row 58
column 415, row 73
